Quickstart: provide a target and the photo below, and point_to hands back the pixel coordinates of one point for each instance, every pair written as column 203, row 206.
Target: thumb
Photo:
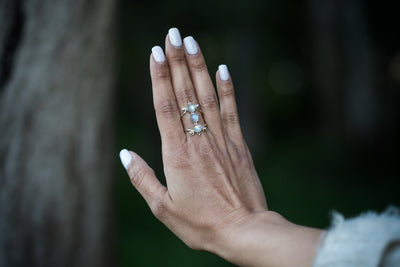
column 144, row 180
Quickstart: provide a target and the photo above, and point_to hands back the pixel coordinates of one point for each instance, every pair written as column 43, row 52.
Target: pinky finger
column 229, row 113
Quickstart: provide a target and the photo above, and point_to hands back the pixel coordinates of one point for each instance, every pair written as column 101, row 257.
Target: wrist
column 267, row 239
column 237, row 241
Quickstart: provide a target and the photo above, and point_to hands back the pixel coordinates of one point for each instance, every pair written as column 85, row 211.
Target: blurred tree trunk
column 56, row 72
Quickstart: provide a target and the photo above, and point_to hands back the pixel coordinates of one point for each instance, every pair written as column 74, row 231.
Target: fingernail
column 223, row 72
column 158, row 54
column 190, row 45
column 125, row 157
column 175, row 37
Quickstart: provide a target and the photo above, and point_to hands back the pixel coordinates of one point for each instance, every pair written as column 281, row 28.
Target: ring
column 191, row 108
column 194, row 117
column 197, row 128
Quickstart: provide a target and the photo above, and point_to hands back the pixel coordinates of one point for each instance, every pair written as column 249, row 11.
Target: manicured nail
column 223, row 72
column 125, row 157
column 190, row 45
column 175, row 37
column 158, row 54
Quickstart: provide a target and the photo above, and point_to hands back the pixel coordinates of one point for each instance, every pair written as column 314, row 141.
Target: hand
column 213, row 191
column 211, row 179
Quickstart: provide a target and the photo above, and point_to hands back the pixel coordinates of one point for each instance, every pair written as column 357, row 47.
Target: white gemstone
column 194, row 117
column 191, row 108
column 198, row 128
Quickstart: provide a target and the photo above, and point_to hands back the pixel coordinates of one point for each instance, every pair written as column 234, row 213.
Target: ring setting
column 194, row 118
column 197, row 129
column 191, row 108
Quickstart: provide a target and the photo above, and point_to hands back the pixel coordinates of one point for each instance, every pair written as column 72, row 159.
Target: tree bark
column 56, row 75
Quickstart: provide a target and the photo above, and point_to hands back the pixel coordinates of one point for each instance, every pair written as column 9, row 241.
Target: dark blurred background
column 318, row 91
column 317, row 86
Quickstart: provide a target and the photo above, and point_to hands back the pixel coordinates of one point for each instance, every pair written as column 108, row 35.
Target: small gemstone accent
column 194, row 117
column 191, row 108
column 198, row 128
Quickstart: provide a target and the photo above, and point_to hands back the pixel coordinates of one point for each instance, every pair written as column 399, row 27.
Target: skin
column 213, row 200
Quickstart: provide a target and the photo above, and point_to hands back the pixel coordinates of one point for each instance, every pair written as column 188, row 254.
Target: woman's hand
column 213, row 192
column 211, row 179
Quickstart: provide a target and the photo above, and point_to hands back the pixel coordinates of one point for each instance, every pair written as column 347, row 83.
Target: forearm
column 267, row 239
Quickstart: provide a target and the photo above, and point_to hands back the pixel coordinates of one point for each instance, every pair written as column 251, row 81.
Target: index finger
column 165, row 105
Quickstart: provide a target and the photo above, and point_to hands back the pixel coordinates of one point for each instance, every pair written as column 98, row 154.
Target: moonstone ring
column 194, row 117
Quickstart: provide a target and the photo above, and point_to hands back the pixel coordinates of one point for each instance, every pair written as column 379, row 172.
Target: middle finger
column 181, row 81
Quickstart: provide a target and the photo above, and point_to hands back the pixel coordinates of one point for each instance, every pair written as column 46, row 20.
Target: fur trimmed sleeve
column 370, row 239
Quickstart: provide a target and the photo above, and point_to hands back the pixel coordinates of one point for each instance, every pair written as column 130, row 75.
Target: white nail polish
column 175, row 37
column 158, row 54
column 190, row 45
column 125, row 157
column 223, row 72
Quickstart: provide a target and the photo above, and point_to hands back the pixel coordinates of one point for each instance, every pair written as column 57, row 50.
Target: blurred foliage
column 306, row 170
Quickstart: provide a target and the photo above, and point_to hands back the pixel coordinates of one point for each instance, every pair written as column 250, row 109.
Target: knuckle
column 161, row 73
column 178, row 59
column 209, row 102
column 230, row 118
column 137, row 176
column 186, row 94
column 206, row 149
column 241, row 154
column 158, row 208
column 227, row 92
column 243, row 157
column 167, row 107
column 198, row 65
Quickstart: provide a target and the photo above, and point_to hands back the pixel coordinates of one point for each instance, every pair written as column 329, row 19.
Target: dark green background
column 310, row 162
